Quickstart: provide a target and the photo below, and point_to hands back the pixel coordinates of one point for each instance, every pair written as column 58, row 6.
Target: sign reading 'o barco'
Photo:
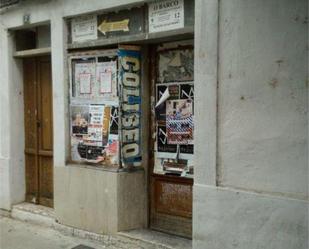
column 166, row 15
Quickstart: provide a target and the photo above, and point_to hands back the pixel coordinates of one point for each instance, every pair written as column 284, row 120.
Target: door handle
column 38, row 123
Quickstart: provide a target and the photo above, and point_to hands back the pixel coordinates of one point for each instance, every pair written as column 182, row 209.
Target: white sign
column 85, row 83
column 84, row 28
column 106, row 82
column 166, row 15
column 107, row 78
column 95, row 127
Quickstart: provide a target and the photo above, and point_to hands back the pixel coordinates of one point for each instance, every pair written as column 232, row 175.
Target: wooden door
column 171, row 178
column 38, row 130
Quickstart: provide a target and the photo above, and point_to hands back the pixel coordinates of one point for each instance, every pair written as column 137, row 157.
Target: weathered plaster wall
column 263, row 93
column 4, row 125
column 229, row 219
column 253, row 192
column 12, row 182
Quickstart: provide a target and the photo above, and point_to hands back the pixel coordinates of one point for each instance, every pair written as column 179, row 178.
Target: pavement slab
column 16, row 234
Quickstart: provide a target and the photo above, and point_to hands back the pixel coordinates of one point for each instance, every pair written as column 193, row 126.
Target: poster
column 164, row 149
column 106, row 78
column 84, row 28
column 114, row 120
column 85, row 83
column 179, row 121
column 80, row 119
column 106, row 124
column 176, row 65
column 91, row 138
column 166, row 15
column 130, row 105
column 84, row 74
column 112, row 149
column 105, row 82
column 95, row 127
column 173, row 93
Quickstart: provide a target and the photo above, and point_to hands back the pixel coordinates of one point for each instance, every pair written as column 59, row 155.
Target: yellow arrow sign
column 114, row 26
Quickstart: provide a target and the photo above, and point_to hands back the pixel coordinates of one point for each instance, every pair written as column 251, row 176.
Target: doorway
column 38, row 124
column 171, row 170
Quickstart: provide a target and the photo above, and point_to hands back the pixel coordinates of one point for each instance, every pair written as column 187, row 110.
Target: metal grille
column 7, row 3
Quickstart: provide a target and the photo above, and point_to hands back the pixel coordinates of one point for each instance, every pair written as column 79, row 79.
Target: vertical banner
column 130, row 105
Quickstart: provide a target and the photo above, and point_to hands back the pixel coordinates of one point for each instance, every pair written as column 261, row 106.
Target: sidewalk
column 15, row 234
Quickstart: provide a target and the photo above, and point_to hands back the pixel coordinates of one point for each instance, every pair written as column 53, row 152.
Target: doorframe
column 17, row 73
column 152, row 177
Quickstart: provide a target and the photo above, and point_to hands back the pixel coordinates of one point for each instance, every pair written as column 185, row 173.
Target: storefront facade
column 138, row 114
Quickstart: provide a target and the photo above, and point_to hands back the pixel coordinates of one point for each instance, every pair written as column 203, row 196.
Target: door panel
column 30, row 104
column 31, row 178
column 30, row 116
column 46, row 181
column 177, row 193
column 38, row 130
column 45, row 106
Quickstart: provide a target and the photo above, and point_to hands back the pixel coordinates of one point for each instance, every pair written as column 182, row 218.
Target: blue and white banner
column 130, row 105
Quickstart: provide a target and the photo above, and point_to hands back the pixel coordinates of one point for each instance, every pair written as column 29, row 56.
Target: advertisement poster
column 80, row 119
column 166, row 15
column 85, row 83
column 179, row 121
column 176, row 65
column 112, row 149
column 130, row 99
column 84, row 80
column 84, row 28
column 95, row 127
column 172, row 92
column 106, row 78
column 91, row 140
column 163, row 147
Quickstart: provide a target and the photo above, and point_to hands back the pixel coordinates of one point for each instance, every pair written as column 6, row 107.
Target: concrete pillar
column 5, row 123
column 60, row 90
column 205, row 81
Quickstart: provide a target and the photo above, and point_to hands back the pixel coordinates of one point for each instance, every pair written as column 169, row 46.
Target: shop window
column 174, row 111
column 105, row 108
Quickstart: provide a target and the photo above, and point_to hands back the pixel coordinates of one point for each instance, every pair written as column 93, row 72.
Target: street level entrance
column 38, row 130
column 171, row 176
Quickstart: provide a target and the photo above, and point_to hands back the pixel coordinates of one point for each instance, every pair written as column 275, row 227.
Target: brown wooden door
column 38, row 130
column 171, row 68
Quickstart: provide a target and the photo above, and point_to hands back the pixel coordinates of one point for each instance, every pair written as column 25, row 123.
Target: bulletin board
column 105, row 107
column 94, row 108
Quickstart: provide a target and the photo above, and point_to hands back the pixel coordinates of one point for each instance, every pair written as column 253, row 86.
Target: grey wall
column 252, row 189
